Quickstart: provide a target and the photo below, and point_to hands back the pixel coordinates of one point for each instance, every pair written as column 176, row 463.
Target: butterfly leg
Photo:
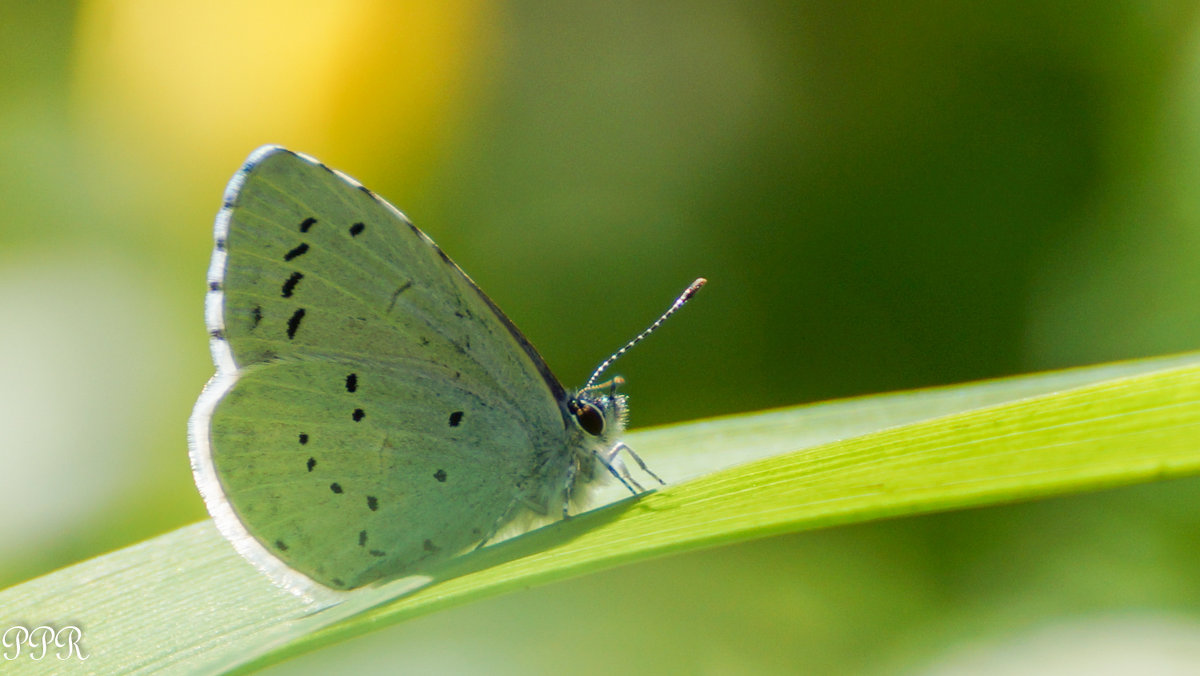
column 622, row 446
column 572, row 471
column 617, row 469
column 496, row 526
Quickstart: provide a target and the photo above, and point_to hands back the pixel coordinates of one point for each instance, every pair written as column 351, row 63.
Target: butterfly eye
column 589, row 418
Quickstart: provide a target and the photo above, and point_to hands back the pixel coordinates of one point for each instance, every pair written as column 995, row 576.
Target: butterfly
column 373, row 412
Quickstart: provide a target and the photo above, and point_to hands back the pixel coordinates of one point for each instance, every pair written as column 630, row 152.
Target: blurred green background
column 889, row 197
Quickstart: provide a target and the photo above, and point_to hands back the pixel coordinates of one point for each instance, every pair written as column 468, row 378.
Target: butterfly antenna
column 683, row 298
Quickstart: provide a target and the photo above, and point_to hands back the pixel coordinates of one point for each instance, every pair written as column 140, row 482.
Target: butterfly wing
column 372, row 409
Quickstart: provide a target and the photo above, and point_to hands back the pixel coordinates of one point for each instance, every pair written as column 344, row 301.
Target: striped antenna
column 683, row 298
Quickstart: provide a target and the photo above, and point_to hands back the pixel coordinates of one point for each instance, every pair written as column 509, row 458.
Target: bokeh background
column 910, row 194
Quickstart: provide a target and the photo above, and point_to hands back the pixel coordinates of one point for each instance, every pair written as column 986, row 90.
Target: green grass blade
column 185, row 602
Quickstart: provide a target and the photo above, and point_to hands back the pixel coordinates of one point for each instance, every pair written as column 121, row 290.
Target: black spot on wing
column 312, row 462
column 362, row 538
column 303, row 438
column 256, row 316
column 281, row 545
column 290, row 285
column 214, row 286
column 352, row 382
column 358, row 414
column 440, row 475
column 456, row 418
column 396, row 294
column 372, row 503
column 336, row 487
column 300, row 250
column 429, row 546
column 307, row 223
column 357, row 228
column 294, row 323
column 221, row 244
column 376, row 552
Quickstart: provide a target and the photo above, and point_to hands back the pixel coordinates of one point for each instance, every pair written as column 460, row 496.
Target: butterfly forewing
column 383, row 413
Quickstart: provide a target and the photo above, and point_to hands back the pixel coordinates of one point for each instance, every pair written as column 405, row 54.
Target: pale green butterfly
column 372, row 411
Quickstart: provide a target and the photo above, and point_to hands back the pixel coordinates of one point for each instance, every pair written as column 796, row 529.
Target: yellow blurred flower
column 358, row 84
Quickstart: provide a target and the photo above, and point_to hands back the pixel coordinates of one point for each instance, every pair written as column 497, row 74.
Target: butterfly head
column 599, row 410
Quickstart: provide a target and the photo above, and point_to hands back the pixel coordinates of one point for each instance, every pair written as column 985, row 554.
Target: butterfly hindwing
column 348, row 487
